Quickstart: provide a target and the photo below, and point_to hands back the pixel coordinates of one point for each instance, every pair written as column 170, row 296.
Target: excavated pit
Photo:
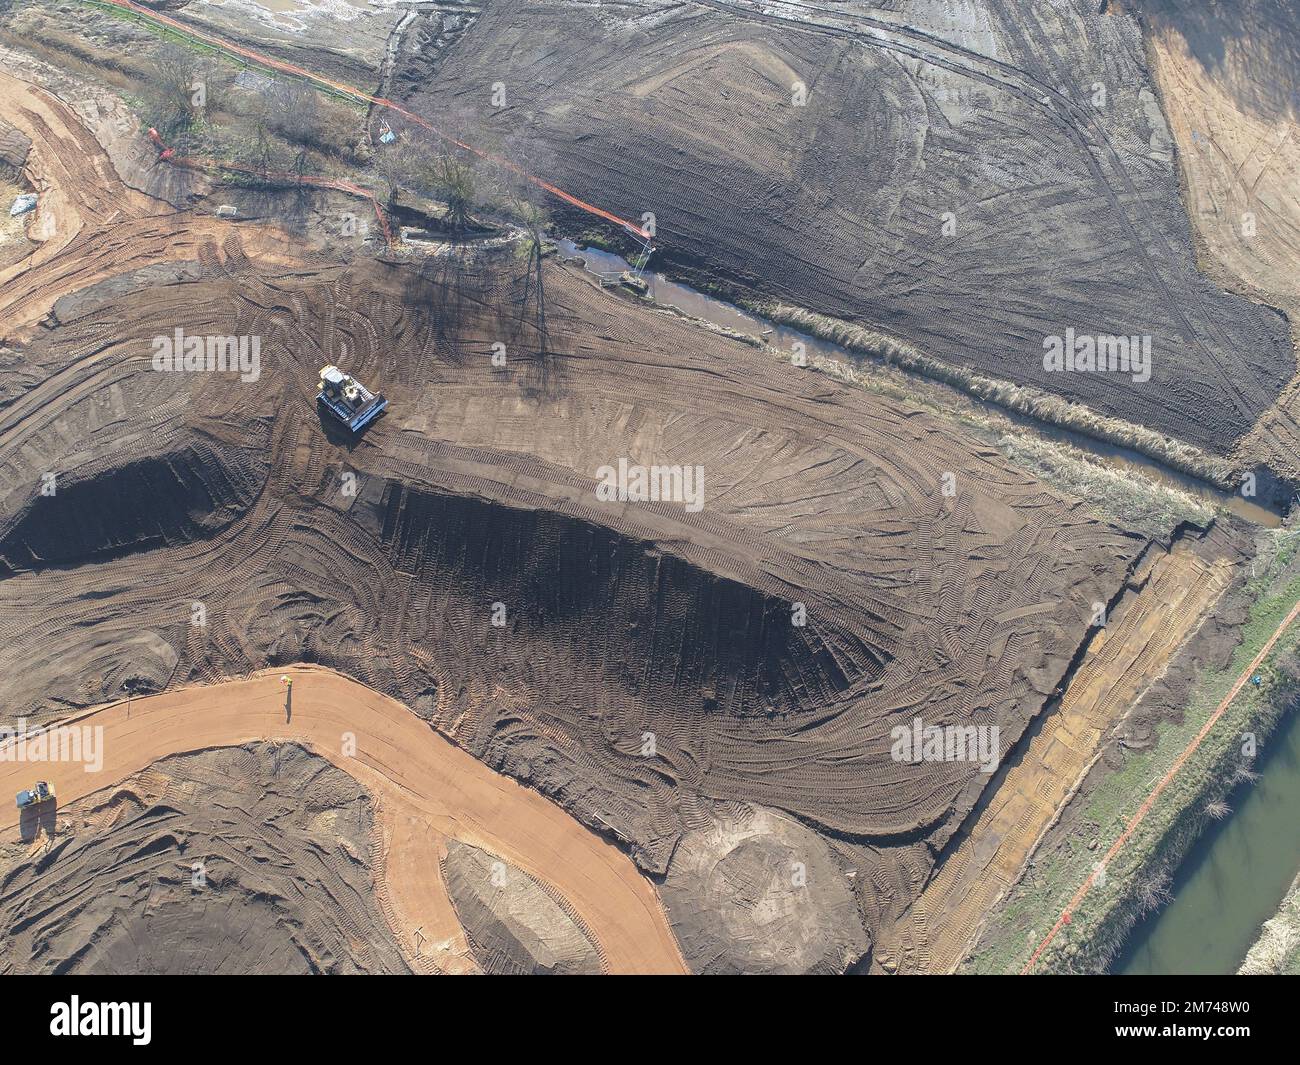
column 680, row 640
column 651, row 675
column 154, row 502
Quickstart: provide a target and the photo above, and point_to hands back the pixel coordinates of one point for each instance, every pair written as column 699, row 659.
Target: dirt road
column 1120, row 665
column 426, row 790
column 89, row 225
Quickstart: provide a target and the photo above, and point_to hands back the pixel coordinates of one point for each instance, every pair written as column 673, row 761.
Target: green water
column 1234, row 878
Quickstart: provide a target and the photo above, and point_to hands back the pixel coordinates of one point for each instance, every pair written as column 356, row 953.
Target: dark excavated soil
column 1067, row 214
column 149, row 503
column 649, row 668
column 239, row 860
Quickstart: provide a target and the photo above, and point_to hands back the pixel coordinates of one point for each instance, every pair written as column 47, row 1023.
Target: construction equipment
column 38, row 794
column 647, row 249
column 348, row 400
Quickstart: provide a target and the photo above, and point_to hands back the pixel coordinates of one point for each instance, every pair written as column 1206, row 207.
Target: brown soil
column 1067, row 214
column 1237, row 123
column 235, row 860
column 89, row 226
column 650, row 677
column 1123, row 660
column 415, row 776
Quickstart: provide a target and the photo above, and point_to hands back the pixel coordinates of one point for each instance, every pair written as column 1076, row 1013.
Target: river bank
column 1277, row 951
column 1047, row 924
column 1232, row 878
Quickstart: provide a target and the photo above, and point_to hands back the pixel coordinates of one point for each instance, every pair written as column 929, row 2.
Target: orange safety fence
column 1188, row 751
column 358, row 94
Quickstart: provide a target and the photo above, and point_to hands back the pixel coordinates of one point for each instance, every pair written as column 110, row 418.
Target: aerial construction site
column 651, row 487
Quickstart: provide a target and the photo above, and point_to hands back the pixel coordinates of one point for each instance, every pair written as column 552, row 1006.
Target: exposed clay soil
column 622, row 619
column 426, row 791
column 649, row 674
column 1229, row 81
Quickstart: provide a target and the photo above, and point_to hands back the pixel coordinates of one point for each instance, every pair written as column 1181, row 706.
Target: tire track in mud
column 1039, row 95
column 296, row 579
column 413, row 773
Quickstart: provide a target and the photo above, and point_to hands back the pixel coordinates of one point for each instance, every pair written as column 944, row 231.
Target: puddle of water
column 690, row 301
column 1233, row 879
column 719, row 312
column 1136, row 462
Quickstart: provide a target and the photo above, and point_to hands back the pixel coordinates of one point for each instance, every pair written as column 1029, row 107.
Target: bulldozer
column 347, row 400
column 41, row 792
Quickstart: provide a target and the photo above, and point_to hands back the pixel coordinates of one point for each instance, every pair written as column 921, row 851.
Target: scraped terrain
column 1229, row 80
column 513, row 924
column 240, row 860
column 413, row 773
column 699, row 697
column 480, row 489
column 1123, row 660
column 89, row 225
column 1065, row 212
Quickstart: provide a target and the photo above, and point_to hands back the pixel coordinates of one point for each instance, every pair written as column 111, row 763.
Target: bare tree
column 264, row 152
column 174, row 85
column 1217, row 809
column 1152, row 892
column 293, row 111
column 183, row 87
column 531, row 251
column 452, row 180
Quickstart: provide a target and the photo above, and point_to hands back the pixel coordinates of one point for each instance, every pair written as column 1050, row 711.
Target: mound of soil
column 238, row 860
column 513, row 924
column 758, row 893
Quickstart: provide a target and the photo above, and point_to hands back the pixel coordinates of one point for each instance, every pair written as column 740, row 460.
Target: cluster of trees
column 196, row 101
column 270, row 125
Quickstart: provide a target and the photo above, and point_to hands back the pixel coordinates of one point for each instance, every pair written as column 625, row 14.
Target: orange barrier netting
column 1188, row 751
column 350, row 90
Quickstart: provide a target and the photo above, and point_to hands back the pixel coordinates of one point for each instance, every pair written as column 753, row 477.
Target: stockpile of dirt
column 1063, row 205
column 239, row 860
column 425, row 792
column 513, row 924
column 651, row 657
column 13, row 150
column 754, row 892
